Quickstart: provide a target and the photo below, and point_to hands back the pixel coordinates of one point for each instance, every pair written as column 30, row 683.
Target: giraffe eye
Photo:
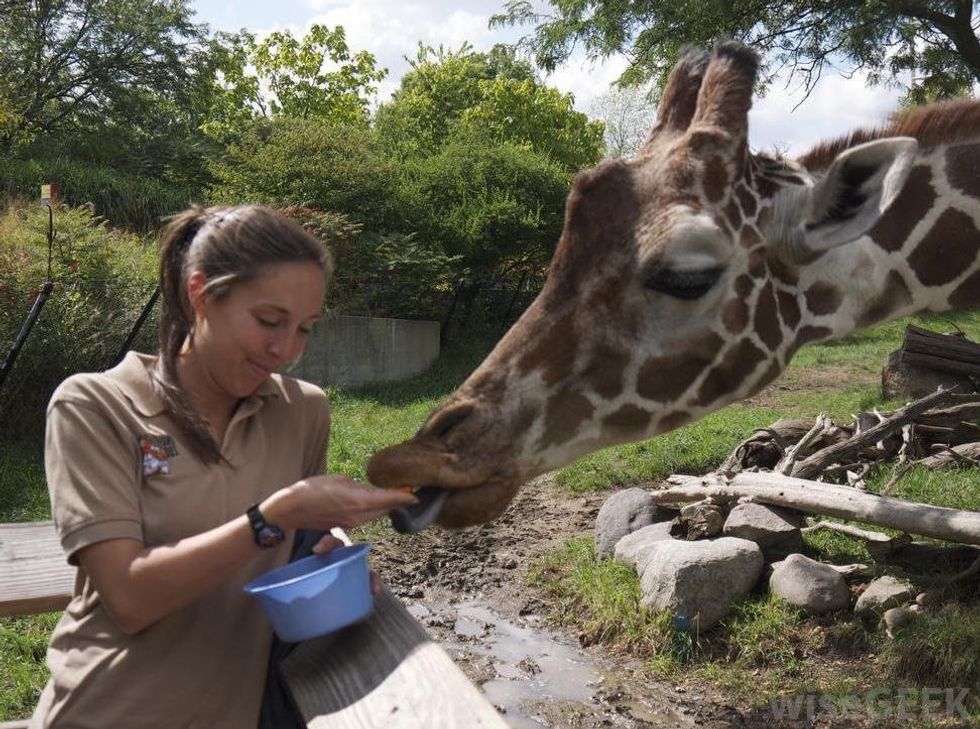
column 688, row 285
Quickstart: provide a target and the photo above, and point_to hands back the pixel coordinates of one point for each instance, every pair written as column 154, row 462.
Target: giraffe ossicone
column 686, row 278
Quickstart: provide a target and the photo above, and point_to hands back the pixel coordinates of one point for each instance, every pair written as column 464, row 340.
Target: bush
column 380, row 274
column 486, row 201
column 495, row 207
column 132, row 201
column 309, row 162
column 102, row 279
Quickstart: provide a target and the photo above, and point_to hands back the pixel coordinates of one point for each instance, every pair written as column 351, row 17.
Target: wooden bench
column 34, row 575
column 385, row 672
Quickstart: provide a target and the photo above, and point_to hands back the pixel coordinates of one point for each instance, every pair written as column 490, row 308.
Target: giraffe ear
column 852, row 196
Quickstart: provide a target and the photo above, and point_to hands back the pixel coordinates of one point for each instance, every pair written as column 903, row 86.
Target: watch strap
column 266, row 535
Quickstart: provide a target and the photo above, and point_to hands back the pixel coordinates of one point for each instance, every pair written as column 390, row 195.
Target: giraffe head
column 673, row 291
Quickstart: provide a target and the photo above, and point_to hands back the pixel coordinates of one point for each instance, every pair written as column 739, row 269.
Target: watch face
column 269, row 536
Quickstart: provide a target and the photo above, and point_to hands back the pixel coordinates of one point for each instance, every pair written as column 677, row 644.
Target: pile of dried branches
column 938, row 430
column 793, row 464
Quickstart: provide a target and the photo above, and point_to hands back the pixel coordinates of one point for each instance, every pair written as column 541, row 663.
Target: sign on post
column 49, row 194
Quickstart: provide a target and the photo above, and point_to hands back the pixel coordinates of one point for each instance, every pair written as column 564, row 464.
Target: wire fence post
column 135, row 330
column 32, row 317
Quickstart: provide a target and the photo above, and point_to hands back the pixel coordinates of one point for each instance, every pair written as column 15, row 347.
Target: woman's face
column 257, row 327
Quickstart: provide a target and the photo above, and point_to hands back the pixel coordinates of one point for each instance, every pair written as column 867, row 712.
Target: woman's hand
column 325, row 502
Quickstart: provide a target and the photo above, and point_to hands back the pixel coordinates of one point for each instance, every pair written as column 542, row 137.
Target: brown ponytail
column 230, row 246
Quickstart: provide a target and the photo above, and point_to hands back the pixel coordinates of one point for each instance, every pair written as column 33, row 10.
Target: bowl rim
column 359, row 551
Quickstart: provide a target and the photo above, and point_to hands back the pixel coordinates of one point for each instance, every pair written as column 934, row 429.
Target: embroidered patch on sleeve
column 157, row 449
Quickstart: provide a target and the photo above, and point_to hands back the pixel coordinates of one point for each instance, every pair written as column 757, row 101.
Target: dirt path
column 470, row 591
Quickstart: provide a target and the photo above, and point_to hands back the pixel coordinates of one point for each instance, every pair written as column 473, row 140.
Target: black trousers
column 278, row 710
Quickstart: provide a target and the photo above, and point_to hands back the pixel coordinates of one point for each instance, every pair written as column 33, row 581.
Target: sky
column 393, row 29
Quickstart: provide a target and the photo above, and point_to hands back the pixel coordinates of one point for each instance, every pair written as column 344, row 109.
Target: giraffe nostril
column 445, row 420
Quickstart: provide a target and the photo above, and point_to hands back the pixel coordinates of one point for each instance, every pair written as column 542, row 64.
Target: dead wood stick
column 831, row 500
column 850, row 530
column 898, row 474
column 815, row 464
column 843, row 468
column 965, row 454
column 943, row 364
column 789, row 460
column 852, row 570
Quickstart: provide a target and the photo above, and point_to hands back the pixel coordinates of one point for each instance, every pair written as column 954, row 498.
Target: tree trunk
column 943, row 352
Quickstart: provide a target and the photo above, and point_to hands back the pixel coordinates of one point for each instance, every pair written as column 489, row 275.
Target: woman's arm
column 140, row 585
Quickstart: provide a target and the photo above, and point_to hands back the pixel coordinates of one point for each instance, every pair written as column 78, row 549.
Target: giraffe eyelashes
column 685, row 285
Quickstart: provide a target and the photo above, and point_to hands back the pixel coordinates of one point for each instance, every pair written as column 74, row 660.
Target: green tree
column 494, row 208
column 497, row 92
column 935, row 40
column 316, row 162
column 315, row 76
column 628, row 114
column 539, row 117
column 70, row 66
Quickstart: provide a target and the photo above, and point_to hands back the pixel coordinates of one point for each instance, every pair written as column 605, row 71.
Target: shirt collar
column 134, row 375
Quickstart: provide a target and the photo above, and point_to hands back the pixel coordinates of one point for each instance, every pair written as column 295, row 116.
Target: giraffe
column 686, row 278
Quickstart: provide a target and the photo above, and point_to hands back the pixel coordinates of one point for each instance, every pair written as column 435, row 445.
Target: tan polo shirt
column 117, row 466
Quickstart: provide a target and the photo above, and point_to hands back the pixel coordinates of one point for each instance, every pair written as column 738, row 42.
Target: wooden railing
column 385, row 673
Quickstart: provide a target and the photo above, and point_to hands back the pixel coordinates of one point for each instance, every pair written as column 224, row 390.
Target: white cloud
column 392, row 30
column 586, row 80
column 836, row 106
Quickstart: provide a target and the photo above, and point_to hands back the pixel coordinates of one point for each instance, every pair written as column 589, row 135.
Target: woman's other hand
column 328, row 543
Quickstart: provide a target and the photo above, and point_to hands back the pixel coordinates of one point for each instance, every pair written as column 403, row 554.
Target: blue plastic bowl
column 316, row 595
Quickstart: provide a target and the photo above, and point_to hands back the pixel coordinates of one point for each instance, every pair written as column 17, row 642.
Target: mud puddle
column 532, row 674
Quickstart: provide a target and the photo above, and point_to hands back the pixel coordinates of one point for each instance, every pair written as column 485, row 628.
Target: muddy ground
column 470, row 590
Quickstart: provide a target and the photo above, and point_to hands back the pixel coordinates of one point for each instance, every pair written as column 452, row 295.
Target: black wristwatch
column 266, row 535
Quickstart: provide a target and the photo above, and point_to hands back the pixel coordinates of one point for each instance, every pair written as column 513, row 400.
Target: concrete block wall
column 347, row 351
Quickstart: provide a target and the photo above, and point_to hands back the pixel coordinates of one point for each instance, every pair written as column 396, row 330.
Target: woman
column 176, row 479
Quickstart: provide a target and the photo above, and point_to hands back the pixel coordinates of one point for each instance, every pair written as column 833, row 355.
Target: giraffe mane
column 931, row 125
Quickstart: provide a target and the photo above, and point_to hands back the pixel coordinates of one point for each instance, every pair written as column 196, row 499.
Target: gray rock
column 883, row 593
column 622, row 513
column 776, row 531
column 926, row 599
column 896, row 618
column 699, row 581
column 807, row 584
column 634, row 549
column 701, row 520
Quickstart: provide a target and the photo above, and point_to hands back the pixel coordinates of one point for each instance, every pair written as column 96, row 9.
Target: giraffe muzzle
column 411, row 519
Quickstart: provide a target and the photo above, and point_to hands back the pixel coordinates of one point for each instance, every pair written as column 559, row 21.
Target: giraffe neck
column 923, row 255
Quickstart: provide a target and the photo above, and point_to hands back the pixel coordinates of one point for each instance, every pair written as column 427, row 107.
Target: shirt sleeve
column 317, row 436
column 92, row 474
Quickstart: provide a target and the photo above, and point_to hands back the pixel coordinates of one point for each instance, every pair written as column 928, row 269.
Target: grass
column 23, row 641
column 23, row 494
column 765, row 649
column 762, row 649
column 366, row 419
column 936, row 651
